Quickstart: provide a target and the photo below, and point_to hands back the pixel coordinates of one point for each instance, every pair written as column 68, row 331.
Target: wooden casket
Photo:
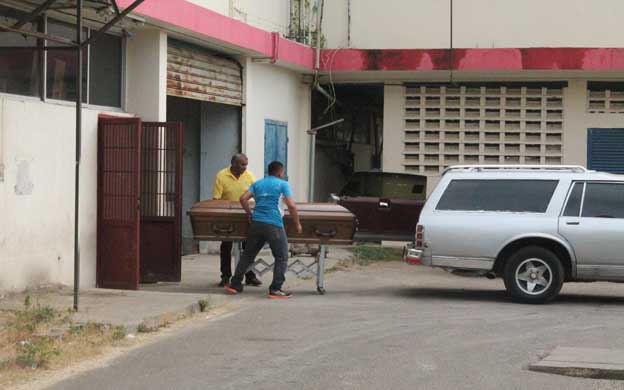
column 323, row 223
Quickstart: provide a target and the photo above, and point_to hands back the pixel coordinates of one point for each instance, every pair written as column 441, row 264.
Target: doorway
column 356, row 144
column 275, row 144
column 212, row 134
column 139, row 202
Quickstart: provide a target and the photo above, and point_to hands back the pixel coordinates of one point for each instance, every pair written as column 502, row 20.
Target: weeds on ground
column 367, row 254
column 37, row 337
column 204, row 305
column 143, row 328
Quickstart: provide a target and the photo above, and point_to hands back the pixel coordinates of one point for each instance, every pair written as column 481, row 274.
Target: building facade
column 170, row 61
column 421, row 85
column 484, row 82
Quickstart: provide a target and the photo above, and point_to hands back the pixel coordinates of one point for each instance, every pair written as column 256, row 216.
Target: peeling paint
column 24, row 185
column 498, row 59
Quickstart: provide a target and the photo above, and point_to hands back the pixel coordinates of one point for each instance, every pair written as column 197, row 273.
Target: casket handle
column 330, row 233
column 225, row 229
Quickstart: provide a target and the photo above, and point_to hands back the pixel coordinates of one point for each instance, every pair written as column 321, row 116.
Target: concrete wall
column 270, row 15
column 394, row 123
column 394, row 24
column 402, row 24
column 278, row 94
column 220, row 140
column 146, row 75
column 37, row 194
column 188, row 112
column 576, row 122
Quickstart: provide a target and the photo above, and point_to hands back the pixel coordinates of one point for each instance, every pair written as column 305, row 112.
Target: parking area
column 386, row 325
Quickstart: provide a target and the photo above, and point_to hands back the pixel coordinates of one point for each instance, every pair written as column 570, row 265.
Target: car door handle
column 573, row 223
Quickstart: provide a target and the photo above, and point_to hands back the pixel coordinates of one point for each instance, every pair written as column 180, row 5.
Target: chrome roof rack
column 483, row 168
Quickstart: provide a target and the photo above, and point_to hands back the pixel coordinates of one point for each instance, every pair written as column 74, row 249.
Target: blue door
column 275, row 143
column 605, row 150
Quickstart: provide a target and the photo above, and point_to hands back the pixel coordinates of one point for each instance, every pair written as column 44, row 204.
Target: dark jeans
column 226, row 262
column 259, row 234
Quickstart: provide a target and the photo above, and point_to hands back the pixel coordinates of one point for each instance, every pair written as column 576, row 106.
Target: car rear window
column 386, row 186
column 498, row 195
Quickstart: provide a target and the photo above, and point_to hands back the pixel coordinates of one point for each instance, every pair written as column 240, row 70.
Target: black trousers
column 226, row 262
column 259, row 234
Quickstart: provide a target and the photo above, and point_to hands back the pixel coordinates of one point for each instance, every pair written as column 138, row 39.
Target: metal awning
column 109, row 12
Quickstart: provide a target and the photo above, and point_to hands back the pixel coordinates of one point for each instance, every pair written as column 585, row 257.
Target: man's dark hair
column 275, row 167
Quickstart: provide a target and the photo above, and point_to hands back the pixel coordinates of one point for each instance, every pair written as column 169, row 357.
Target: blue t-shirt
column 267, row 193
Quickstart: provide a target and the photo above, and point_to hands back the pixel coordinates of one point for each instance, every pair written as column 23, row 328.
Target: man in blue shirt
column 267, row 225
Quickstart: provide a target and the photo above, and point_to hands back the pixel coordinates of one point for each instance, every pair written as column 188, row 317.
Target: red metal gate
column 161, row 202
column 118, row 237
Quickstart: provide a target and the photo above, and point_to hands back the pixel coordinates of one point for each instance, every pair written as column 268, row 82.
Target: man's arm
column 292, row 209
column 244, row 201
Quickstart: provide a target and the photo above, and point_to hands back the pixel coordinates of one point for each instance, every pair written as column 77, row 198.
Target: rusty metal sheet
column 205, row 74
column 194, row 86
column 195, row 73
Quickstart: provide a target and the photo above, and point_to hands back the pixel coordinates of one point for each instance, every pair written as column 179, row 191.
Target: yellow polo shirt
column 228, row 187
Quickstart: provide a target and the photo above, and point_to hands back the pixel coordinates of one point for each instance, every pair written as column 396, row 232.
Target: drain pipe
column 317, row 65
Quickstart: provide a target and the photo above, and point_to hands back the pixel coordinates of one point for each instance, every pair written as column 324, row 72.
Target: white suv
column 535, row 226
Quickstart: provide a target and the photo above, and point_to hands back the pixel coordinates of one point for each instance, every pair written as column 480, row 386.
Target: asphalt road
column 387, row 326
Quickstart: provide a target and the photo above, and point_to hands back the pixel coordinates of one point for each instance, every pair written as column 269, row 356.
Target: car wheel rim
column 533, row 276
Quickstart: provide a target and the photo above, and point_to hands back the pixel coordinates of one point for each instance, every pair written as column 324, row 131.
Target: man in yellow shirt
column 230, row 184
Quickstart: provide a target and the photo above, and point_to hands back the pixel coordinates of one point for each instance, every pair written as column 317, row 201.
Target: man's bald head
column 239, row 164
column 239, row 157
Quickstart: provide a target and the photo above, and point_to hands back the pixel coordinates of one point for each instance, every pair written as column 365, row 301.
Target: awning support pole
column 78, row 153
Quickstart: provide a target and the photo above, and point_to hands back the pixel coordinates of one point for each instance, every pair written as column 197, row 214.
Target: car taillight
column 420, row 236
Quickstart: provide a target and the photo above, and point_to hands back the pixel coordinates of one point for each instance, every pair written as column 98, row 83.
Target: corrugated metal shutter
column 195, row 73
column 605, row 150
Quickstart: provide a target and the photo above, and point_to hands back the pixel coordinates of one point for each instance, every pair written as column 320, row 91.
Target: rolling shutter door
column 195, row 73
column 604, row 150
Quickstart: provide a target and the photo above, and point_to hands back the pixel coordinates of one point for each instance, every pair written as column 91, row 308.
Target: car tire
column 533, row 275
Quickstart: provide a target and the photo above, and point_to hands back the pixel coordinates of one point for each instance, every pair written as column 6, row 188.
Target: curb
column 580, row 372
column 152, row 324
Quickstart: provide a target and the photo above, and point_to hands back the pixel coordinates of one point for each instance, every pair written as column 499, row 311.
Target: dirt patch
column 36, row 337
column 366, row 254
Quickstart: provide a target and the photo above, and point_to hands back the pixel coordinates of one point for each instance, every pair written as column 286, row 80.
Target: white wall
column 576, row 122
column 146, row 75
column 270, row 15
column 279, row 94
column 404, row 24
column 37, row 194
column 531, row 23
column 393, row 128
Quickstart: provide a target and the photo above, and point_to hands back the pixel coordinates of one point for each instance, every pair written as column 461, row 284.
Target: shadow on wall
column 329, row 177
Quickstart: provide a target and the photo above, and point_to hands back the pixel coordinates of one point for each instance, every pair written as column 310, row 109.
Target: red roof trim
column 211, row 24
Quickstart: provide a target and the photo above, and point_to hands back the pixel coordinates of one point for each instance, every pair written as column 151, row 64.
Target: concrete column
column 393, row 125
column 575, row 123
column 2, row 153
column 146, row 75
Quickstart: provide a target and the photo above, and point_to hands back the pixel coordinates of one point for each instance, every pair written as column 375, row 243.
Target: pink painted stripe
column 295, row 53
column 224, row 29
column 588, row 59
